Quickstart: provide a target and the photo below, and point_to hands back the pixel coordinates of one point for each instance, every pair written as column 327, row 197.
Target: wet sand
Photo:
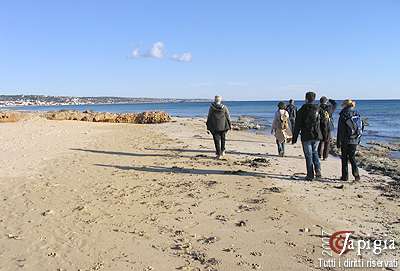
column 100, row 196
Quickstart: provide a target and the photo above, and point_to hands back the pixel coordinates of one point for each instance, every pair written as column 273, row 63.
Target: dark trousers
column 323, row 147
column 312, row 160
column 219, row 141
column 349, row 154
column 292, row 124
column 281, row 147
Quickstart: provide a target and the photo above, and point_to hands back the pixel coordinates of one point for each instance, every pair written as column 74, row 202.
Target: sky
column 242, row 50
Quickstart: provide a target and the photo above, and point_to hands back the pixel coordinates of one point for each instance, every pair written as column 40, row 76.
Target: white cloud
column 135, row 53
column 157, row 51
column 184, row 57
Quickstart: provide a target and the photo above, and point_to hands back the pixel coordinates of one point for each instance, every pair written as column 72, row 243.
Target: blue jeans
column 310, row 149
column 281, row 147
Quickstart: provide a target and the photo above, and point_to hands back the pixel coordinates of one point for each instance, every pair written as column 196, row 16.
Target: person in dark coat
column 327, row 107
column 308, row 125
column 218, row 123
column 350, row 128
column 292, row 110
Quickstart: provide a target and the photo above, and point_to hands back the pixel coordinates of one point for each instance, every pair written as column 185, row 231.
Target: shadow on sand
column 227, row 152
column 180, row 170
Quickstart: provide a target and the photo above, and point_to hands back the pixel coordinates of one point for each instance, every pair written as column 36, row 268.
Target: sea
column 382, row 116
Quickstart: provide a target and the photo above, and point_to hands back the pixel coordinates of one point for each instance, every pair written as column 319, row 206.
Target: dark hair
column 291, row 101
column 323, row 100
column 310, row 96
column 281, row 105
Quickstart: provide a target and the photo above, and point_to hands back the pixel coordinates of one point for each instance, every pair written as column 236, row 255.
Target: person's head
column 291, row 101
column 348, row 103
column 310, row 97
column 218, row 99
column 281, row 105
column 323, row 100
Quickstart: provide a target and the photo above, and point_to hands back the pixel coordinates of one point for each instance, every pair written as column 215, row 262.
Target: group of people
column 313, row 122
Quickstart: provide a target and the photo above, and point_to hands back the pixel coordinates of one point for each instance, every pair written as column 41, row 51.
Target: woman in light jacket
column 281, row 128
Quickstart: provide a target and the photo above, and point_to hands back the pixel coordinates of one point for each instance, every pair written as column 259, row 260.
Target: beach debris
column 256, row 162
column 208, row 240
column 340, row 186
column 256, row 253
column 78, row 208
column 47, row 212
column 241, row 223
column 272, row 189
column 221, row 218
column 304, row 230
column 14, row 236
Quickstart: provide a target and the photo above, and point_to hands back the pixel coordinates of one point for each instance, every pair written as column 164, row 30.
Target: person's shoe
column 318, row 174
column 223, row 153
column 309, row 178
column 324, row 159
column 344, row 179
column 218, row 157
column 357, row 178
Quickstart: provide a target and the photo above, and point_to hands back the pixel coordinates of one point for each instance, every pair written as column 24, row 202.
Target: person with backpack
column 350, row 129
column 292, row 110
column 281, row 128
column 308, row 125
column 218, row 123
column 327, row 107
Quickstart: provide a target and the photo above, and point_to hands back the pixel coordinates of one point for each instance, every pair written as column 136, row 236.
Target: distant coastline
column 45, row 100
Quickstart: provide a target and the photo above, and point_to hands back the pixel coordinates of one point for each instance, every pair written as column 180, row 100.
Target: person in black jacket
column 308, row 125
column 327, row 107
column 349, row 133
column 218, row 123
column 292, row 110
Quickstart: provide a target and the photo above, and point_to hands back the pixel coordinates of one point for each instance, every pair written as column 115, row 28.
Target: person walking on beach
column 308, row 125
column 327, row 107
column 218, row 123
column 292, row 110
column 281, row 128
column 350, row 129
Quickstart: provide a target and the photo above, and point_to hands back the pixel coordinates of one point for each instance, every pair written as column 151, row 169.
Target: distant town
column 44, row 100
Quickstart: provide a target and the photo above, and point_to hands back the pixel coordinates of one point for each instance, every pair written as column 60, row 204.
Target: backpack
column 355, row 126
column 284, row 122
column 312, row 121
column 325, row 117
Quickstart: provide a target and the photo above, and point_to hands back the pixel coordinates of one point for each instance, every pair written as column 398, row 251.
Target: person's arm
column 208, row 118
column 228, row 117
column 339, row 133
column 297, row 126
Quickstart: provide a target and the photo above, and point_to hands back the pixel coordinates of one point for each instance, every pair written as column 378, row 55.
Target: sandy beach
column 105, row 196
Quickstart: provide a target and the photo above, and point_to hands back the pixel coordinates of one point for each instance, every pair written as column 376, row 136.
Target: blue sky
column 243, row 50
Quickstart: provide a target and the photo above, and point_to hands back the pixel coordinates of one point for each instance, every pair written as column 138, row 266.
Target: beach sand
column 99, row 196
